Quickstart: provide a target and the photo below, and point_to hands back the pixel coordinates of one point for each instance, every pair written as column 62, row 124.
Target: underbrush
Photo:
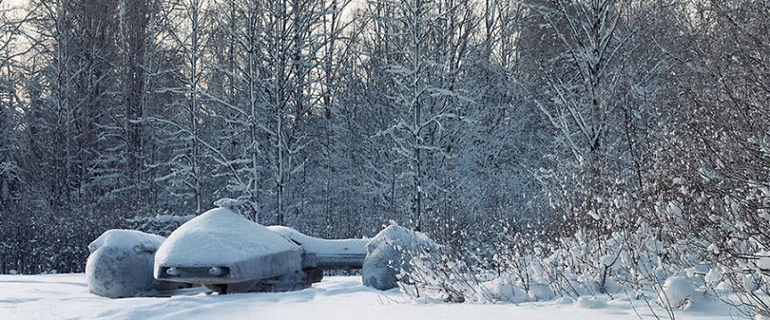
column 652, row 274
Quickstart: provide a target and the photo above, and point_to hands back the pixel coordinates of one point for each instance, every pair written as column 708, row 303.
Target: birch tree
column 136, row 35
column 423, row 87
column 241, row 105
column 290, row 54
column 187, row 35
column 12, row 176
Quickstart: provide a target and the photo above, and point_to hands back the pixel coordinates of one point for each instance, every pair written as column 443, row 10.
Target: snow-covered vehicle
column 228, row 253
column 326, row 254
column 121, row 265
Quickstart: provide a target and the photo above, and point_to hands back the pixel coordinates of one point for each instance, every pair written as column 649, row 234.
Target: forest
column 623, row 140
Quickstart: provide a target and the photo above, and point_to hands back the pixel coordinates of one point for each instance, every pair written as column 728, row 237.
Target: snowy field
column 66, row 297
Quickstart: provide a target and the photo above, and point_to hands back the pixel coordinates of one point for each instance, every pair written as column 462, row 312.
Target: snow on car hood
column 220, row 236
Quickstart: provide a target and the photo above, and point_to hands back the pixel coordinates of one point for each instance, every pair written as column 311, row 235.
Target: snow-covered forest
column 605, row 143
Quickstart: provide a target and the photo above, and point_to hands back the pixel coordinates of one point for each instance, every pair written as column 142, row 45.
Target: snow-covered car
column 228, row 253
column 219, row 249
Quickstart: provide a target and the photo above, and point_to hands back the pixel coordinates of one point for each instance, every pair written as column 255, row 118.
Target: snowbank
column 62, row 296
column 120, row 264
column 227, row 247
column 389, row 254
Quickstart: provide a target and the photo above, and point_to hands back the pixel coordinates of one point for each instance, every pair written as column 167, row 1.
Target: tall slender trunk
column 416, row 114
column 279, row 83
column 194, row 48
column 253, row 188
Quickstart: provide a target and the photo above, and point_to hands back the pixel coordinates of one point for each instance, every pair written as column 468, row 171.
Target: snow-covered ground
column 66, row 297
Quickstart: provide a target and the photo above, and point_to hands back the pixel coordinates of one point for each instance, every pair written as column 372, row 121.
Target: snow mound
column 120, row 264
column 590, row 303
column 540, row 292
column 224, row 239
column 389, row 254
column 713, row 277
column 505, row 290
column 679, row 292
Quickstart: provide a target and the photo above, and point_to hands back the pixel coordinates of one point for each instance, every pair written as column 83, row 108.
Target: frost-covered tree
column 135, row 33
column 10, row 103
column 12, row 175
column 717, row 197
column 581, row 76
column 238, row 65
column 185, row 24
column 420, row 48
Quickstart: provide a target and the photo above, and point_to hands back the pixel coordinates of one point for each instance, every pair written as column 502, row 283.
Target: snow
column 228, row 203
column 323, row 253
column 764, row 263
column 223, row 238
column 66, row 296
column 713, row 277
column 127, row 239
column 714, row 248
column 504, row 289
column 763, row 260
column 120, row 264
column 679, row 292
column 389, row 253
column 322, row 246
column 590, row 303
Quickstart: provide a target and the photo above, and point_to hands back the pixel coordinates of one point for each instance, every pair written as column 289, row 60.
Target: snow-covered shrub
column 744, row 282
column 581, row 265
column 444, row 274
column 506, row 288
column 521, row 273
